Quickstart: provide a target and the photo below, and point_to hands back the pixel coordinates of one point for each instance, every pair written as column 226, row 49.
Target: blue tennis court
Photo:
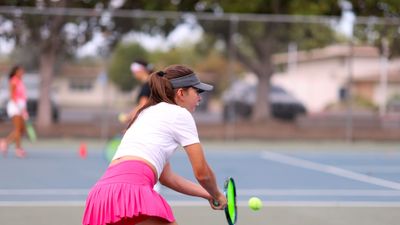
column 281, row 174
column 299, row 183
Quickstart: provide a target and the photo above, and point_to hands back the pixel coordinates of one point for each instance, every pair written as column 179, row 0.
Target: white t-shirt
column 157, row 132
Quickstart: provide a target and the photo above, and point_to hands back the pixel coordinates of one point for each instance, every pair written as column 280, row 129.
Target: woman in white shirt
column 124, row 194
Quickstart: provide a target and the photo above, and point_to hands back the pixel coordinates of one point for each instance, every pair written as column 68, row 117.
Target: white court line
column 297, row 203
column 359, row 204
column 318, row 192
column 306, row 192
column 41, row 203
column 241, row 192
column 329, row 169
column 44, row 192
column 204, row 203
column 374, row 169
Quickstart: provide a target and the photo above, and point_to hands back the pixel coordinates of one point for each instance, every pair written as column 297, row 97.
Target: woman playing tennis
column 124, row 194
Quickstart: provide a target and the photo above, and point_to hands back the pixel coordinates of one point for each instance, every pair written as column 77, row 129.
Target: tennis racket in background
column 230, row 194
column 30, row 131
column 111, row 147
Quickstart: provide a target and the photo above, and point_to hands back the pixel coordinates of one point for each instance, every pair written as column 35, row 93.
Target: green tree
column 33, row 26
column 211, row 62
column 259, row 40
column 121, row 59
column 254, row 42
column 59, row 28
column 378, row 33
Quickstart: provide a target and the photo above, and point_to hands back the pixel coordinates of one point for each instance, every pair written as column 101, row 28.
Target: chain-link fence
column 326, row 74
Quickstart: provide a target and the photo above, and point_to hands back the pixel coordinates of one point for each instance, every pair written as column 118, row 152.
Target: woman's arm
column 204, row 174
column 202, row 170
column 184, row 186
column 13, row 88
column 180, row 184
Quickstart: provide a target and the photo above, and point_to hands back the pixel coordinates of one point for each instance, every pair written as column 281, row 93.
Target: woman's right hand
column 25, row 115
column 218, row 203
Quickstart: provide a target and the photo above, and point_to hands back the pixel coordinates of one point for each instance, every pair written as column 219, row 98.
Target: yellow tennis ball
column 255, row 203
column 122, row 117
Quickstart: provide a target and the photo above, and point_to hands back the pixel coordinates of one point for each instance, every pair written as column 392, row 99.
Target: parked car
column 32, row 82
column 394, row 105
column 241, row 96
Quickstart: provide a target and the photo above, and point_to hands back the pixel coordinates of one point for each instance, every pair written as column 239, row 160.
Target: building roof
column 69, row 70
column 332, row 51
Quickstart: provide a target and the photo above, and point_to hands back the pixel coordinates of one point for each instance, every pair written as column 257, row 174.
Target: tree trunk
column 263, row 70
column 47, row 60
column 261, row 108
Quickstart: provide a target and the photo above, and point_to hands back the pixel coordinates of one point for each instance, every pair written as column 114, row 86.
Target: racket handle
column 215, row 203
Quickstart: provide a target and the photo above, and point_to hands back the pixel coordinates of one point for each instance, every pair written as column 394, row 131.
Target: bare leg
column 156, row 221
column 149, row 221
column 16, row 135
column 19, row 129
column 13, row 135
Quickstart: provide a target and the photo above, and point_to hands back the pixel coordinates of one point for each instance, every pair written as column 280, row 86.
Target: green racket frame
column 231, row 208
column 30, row 131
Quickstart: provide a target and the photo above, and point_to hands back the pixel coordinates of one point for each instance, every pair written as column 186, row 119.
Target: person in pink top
column 16, row 110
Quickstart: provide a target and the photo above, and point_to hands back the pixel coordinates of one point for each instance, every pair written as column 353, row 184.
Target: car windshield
column 31, row 82
column 277, row 89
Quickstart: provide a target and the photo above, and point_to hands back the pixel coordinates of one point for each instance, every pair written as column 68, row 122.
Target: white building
column 87, row 87
column 316, row 77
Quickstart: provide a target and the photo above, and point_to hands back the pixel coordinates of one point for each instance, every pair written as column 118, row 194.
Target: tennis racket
column 30, row 131
column 111, row 147
column 230, row 193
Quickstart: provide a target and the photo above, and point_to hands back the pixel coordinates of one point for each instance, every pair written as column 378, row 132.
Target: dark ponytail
column 13, row 71
column 161, row 89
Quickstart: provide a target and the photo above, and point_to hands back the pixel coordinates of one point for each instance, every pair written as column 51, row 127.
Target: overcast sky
column 188, row 32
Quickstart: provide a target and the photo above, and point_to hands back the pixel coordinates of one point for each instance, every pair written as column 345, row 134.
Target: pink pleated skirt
column 125, row 191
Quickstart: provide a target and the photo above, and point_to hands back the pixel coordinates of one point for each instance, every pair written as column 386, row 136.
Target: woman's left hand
column 219, row 203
